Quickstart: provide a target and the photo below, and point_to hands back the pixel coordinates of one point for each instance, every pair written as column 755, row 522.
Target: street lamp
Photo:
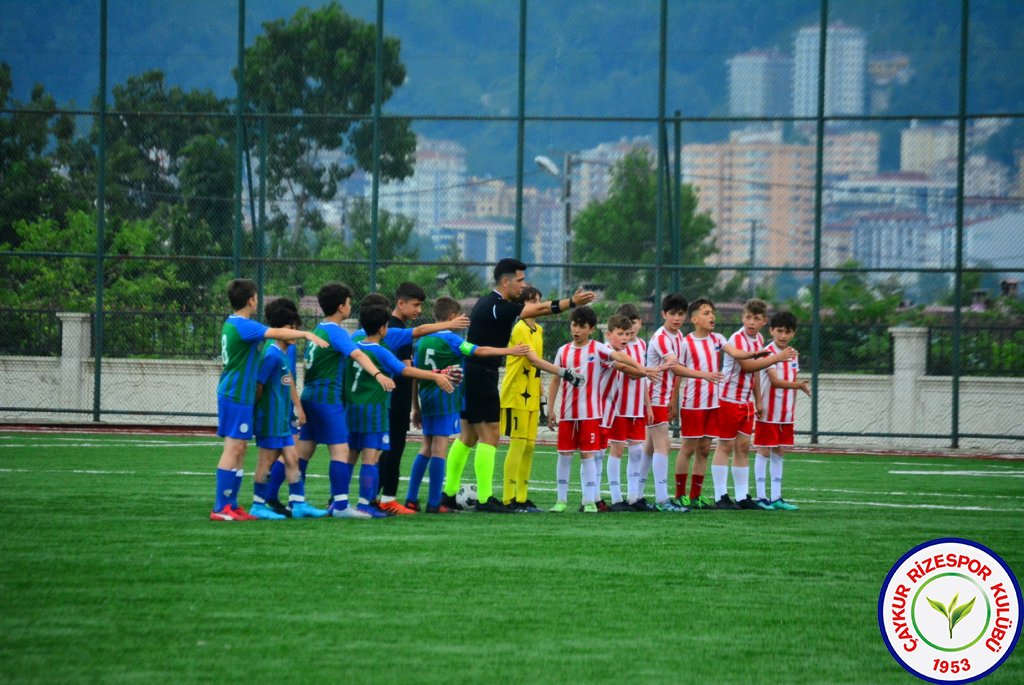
column 547, row 165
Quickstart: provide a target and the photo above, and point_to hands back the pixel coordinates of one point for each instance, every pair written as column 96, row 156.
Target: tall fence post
column 659, row 229
column 958, row 280
column 520, row 130
column 378, row 89
column 819, row 157
column 239, row 141
column 101, row 217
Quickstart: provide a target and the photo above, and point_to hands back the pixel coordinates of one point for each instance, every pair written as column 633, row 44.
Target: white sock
column 741, row 482
column 760, row 470
column 776, row 470
column 645, row 468
column 599, row 467
column 636, row 453
column 720, row 477
column 384, row 499
column 660, row 465
column 589, row 470
column 614, row 465
column 562, row 471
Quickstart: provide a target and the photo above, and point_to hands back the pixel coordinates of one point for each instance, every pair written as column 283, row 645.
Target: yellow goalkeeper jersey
column 521, row 387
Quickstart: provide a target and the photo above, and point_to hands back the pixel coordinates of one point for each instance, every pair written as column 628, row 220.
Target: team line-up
column 608, row 401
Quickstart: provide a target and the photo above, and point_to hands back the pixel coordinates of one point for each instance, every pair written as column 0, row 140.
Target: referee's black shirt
column 490, row 325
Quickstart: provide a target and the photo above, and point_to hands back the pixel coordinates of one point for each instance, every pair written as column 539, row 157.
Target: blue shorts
column 371, row 441
column 234, row 420
column 275, row 442
column 442, row 424
column 325, row 423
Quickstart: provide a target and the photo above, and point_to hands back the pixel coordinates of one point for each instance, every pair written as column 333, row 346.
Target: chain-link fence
column 152, row 152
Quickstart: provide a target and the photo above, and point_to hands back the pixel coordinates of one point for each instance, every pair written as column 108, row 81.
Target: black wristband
column 376, row 374
column 571, row 303
column 556, row 306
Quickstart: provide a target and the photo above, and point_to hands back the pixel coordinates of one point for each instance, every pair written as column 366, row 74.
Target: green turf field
column 112, row 573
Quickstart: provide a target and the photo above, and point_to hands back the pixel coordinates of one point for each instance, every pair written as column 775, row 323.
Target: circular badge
column 949, row 611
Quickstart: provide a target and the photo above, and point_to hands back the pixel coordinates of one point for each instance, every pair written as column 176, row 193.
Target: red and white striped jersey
column 779, row 404
column 738, row 385
column 582, row 403
column 609, row 392
column 662, row 344
column 630, row 396
column 700, row 354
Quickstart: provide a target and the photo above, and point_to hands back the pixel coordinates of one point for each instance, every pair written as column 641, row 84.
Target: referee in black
column 490, row 324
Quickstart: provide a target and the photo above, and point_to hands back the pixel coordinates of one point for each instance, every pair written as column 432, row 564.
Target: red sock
column 696, row 483
column 680, row 484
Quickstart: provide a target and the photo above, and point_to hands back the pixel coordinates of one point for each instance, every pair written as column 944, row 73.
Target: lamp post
column 565, row 175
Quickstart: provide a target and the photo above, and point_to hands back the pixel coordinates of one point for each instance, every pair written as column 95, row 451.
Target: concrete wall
column 906, row 402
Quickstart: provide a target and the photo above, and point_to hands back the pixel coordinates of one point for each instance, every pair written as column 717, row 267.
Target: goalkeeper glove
column 574, row 378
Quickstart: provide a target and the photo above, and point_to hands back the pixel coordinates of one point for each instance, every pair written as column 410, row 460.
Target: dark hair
column 374, row 300
column 372, row 319
column 756, row 307
column 619, row 322
column 629, row 310
column 697, row 304
column 444, row 307
column 584, row 316
column 332, row 296
column 528, row 294
column 673, row 302
column 240, row 290
column 506, row 267
column 783, row 319
column 409, row 291
column 280, row 313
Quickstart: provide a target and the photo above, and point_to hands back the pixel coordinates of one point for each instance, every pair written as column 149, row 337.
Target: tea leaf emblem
column 953, row 613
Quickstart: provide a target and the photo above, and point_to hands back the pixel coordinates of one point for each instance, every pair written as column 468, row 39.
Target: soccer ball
column 466, row 496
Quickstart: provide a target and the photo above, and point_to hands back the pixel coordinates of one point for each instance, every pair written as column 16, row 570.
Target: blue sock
column 419, row 469
column 259, row 492
column 436, row 467
column 225, row 484
column 341, row 477
column 303, row 465
column 369, row 476
column 275, row 480
column 297, row 491
column 239, row 475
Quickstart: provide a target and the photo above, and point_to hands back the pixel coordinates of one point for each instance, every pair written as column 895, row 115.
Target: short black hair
column 629, row 310
column 584, row 316
column 697, row 304
column 280, row 313
column 528, row 295
column 673, row 302
column 783, row 319
column 409, row 291
column 332, row 296
column 240, row 291
column 507, row 266
column 372, row 319
column 375, row 300
column 619, row 322
column 444, row 307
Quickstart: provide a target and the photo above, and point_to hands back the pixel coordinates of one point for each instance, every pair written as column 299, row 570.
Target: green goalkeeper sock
column 458, row 454
column 483, row 466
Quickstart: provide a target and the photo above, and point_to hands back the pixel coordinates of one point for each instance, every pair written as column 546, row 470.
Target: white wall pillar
column 75, row 351
column 910, row 362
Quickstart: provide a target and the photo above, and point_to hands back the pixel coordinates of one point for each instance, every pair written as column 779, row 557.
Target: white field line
column 895, row 505
column 967, row 474
column 905, row 494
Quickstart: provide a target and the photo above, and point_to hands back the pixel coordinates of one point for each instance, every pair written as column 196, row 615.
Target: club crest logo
column 949, row 611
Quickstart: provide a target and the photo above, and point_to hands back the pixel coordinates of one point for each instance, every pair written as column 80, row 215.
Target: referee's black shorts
column 483, row 398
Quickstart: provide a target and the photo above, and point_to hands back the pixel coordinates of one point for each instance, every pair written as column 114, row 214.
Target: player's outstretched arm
column 552, row 395
column 777, row 382
column 517, row 351
column 292, row 334
column 459, row 322
column 441, row 379
column 578, row 299
column 369, row 367
column 687, row 372
column 759, row 359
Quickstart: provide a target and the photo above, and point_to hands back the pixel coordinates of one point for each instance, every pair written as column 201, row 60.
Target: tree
column 622, row 229
column 320, row 64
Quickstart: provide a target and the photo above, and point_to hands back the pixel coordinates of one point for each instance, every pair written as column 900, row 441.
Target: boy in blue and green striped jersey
column 439, row 412
column 368, row 406
column 322, row 395
column 274, row 391
column 240, row 342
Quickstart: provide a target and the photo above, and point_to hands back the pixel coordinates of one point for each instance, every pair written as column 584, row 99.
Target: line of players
column 618, row 396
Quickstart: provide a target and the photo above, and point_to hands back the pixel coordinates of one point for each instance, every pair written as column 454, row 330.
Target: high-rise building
column 845, row 71
column 436, row 192
column 591, row 169
column 850, row 152
column 759, row 192
column 924, row 148
column 760, row 84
